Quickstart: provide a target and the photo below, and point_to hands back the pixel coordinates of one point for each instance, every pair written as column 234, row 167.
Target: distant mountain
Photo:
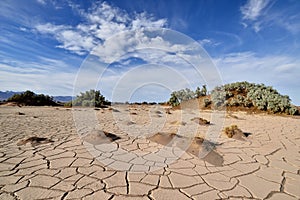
column 7, row 94
column 62, row 98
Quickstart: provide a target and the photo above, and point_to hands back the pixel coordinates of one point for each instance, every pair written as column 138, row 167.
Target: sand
column 141, row 152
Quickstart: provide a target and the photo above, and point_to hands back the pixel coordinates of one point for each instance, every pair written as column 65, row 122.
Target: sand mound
column 191, row 145
column 9, row 104
column 163, row 138
column 200, row 121
column 100, row 137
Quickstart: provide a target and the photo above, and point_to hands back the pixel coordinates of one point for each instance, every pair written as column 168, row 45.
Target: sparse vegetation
column 173, row 101
column 29, row 98
column 244, row 94
column 240, row 95
column 91, row 98
column 186, row 94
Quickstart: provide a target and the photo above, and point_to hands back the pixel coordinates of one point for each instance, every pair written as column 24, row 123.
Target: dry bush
column 232, row 130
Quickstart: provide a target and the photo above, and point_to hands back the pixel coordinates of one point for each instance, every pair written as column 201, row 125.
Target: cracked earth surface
column 264, row 165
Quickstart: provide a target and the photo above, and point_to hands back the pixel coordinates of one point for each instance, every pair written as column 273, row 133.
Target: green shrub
column 91, row 98
column 293, row 110
column 218, row 97
column 86, row 103
column 173, row 101
column 234, row 102
column 182, row 95
column 244, row 94
column 29, row 98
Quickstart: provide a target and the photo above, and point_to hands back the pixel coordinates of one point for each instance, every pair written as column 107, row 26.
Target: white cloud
column 253, row 12
column 43, row 2
column 50, row 28
column 119, row 36
column 209, row 42
column 74, row 40
column 102, row 21
column 173, row 71
column 253, row 9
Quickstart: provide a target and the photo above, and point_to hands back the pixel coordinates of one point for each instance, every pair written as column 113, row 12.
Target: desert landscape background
column 149, row 99
column 148, row 151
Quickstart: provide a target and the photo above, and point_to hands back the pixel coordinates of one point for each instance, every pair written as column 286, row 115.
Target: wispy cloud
column 259, row 14
column 209, row 42
column 253, row 9
column 46, row 75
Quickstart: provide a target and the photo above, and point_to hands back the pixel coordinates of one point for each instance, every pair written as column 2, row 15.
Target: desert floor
column 140, row 152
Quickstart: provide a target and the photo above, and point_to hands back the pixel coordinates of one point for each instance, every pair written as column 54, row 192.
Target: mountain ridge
column 4, row 95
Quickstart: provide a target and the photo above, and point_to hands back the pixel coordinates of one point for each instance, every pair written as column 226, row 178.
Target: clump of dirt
column 113, row 109
column 34, row 141
column 201, row 121
column 20, row 113
column 178, row 123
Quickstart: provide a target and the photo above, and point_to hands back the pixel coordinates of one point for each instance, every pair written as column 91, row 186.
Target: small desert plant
column 207, row 102
column 293, row 110
column 218, row 97
column 232, row 130
column 173, row 101
column 199, row 93
column 91, row 98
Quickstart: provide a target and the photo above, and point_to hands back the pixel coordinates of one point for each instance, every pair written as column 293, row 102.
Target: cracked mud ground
column 265, row 165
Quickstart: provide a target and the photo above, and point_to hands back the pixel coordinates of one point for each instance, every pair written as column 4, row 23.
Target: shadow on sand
column 34, row 141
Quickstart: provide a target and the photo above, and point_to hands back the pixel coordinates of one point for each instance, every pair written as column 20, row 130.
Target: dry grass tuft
column 232, row 130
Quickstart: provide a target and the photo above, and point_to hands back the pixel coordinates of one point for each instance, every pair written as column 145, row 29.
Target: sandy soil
column 140, row 152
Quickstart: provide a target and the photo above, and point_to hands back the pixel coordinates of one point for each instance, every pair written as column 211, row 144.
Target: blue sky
column 45, row 43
